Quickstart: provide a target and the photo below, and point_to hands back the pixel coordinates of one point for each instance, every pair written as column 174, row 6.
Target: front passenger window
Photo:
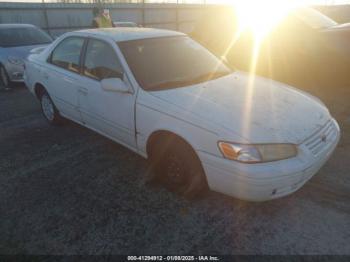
column 101, row 61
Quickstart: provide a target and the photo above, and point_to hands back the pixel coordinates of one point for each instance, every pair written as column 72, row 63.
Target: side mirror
column 114, row 85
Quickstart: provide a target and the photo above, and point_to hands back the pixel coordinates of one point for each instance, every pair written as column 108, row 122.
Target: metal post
column 46, row 17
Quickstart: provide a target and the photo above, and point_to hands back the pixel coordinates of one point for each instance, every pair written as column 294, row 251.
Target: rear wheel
column 178, row 168
column 49, row 110
column 4, row 79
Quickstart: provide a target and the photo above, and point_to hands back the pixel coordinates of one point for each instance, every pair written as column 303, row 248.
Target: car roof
column 16, row 25
column 130, row 33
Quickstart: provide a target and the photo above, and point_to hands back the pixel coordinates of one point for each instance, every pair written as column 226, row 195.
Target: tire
column 178, row 168
column 5, row 81
column 49, row 110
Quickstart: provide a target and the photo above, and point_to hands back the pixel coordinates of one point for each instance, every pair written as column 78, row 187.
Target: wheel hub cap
column 47, row 107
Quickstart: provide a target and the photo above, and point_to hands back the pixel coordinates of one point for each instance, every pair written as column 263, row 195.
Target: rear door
column 63, row 76
column 110, row 112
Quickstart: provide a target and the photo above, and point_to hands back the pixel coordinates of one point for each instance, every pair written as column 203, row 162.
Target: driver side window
column 101, row 61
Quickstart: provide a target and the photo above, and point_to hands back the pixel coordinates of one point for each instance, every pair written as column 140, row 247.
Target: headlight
column 15, row 60
column 258, row 153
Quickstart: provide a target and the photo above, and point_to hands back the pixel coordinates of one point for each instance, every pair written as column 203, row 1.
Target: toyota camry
column 199, row 123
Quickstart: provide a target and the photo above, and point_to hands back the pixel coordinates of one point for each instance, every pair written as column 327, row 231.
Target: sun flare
column 259, row 17
column 262, row 16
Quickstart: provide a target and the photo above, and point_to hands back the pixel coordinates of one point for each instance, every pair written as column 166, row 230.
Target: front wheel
column 49, row 110
column 4, row 79
column 178, row 169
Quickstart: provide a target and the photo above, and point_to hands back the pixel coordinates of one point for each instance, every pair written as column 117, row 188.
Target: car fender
column 151, row 119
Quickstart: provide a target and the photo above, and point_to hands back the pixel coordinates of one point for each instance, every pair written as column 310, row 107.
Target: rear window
column 10, row 37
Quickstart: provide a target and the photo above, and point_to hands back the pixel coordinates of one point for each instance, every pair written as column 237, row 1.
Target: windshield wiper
column 209, row 76
column 196, row 80
column 168, row 84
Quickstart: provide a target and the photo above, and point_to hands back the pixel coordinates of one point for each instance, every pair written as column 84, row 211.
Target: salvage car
column 303, row 46
column 199, row 123
column 16, row 42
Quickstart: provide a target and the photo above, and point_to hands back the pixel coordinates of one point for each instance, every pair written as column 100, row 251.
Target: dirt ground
column 67, row 190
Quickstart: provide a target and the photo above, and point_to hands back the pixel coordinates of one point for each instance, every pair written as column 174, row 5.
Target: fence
column 58, row 18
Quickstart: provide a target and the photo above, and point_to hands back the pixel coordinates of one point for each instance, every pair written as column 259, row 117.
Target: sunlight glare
column 259, row 17
column 262, row 16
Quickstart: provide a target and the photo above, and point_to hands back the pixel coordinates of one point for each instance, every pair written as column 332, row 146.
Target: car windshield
column 171, row 62
column 23, row 36
column 314, row 18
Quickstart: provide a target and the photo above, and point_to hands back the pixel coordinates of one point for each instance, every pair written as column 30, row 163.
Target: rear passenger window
column 101, row 61
column 67, row 54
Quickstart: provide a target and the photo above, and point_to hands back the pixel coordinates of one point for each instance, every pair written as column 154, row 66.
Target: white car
column 170, row 100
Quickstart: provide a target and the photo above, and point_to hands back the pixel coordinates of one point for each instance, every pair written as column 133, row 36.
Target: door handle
column 83, row 91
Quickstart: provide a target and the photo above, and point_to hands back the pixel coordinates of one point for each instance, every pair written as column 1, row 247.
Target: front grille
column 322, row 138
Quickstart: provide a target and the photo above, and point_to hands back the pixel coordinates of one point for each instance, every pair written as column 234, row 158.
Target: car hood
column 21, row 51
column 258, row 110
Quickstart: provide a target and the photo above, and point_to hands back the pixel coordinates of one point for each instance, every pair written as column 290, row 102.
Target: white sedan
column 201, row 124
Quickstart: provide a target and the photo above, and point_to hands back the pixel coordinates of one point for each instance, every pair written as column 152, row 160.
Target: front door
column 110, row 112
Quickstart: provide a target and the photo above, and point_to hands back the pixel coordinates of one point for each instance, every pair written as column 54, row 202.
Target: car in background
column 305, row 47
column 16, row 42
column 125, row 24
column 199, row 123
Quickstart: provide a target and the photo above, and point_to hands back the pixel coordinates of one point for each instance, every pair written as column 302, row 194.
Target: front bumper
column 266, row 181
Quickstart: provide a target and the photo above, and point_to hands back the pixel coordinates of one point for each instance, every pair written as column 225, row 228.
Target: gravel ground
column 67, row 190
